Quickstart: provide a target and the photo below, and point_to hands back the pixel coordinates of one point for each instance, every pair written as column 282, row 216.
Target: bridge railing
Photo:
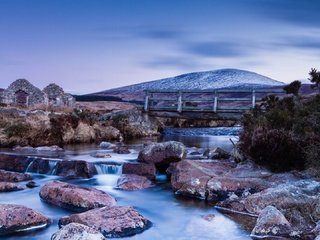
column 227, row 100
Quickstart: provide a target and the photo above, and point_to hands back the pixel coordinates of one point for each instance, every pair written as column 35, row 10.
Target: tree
column 314, row 78
column 293, row 88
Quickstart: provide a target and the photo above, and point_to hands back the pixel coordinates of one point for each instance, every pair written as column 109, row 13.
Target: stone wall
column 35, row 95
column 52, row 94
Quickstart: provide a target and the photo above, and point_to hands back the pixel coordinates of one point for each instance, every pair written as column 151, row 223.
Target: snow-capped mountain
column 223, row 78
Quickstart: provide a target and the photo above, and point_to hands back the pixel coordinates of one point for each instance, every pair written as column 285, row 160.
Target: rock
column 101, row 155
column 217, row 153
column 26, row 149
column 76, row 231
column 132, row 182
column 32, row 184
column 190, row 177
column 236, row 155
column 49, row 149
column 298, row 201
column 8, row 176
column 107, row 133
column 10, row 187
column 195, row 153
column 121, row 149
column 270, row 223
column 162, row 154
column 208, row 217
column 142, row 169
column 17, row 218
column 112, row 222
column 73, row 197
column 75, row 169
column 14, row 163
column 105, row 145
column 220, row 180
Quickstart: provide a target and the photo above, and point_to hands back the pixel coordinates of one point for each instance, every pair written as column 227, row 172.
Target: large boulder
column 14, row 163
column 111, row 221
column 76, row 231
column 190, row 177
column 162, row 154
column 8, row 176
column 75, row 198
column 132, row 182
column 10, row 187
column 270, row 223
column 75, row 169
column 143, row 169
column 298, row 201
column 17, row 218
column 220, row 180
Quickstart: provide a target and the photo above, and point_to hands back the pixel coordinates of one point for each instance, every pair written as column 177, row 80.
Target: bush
column 275, row 149
column 17, row 130
column 285, row 136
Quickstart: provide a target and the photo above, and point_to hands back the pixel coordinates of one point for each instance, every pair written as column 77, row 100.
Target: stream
column 173, row 217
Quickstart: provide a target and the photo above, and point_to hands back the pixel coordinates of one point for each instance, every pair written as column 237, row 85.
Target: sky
column 92, row 45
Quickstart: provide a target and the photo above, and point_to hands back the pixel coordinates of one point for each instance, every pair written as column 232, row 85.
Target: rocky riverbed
column 104, row 192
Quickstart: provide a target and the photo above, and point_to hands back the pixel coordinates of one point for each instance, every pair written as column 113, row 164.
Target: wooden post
column 146, row 102
column 253, row 98
column 179, row 107
column 215, row 103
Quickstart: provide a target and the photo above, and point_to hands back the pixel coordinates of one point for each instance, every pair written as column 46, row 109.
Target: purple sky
column 92, row 45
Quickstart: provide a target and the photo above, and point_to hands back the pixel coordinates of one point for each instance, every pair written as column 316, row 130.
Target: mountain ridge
column 216, row 79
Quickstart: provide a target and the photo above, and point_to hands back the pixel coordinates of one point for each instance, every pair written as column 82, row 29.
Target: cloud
column 214, row 49
column 161, row 34
column 183, row 63
column 293, row 11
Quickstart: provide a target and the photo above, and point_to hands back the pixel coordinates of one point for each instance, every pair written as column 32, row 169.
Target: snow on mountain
column 224, row 78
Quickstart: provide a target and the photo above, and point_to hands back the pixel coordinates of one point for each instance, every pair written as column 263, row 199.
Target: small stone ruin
column 22, row 93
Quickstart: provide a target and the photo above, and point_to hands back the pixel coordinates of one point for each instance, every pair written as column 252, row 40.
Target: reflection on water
column 173, row 217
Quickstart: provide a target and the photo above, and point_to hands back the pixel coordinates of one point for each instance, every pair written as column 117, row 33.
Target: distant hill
column 223, row 78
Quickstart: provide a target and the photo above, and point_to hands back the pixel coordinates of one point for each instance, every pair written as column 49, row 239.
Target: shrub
column 17, row 130
column 285, row 136
column 275, row 149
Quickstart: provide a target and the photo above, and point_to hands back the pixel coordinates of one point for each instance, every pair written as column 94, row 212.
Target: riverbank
column 87, row 123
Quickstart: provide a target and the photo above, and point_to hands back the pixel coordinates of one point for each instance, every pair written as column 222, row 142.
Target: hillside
column 223, row 78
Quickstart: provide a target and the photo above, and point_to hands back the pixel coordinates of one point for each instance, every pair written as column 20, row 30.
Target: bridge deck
column 205, row 101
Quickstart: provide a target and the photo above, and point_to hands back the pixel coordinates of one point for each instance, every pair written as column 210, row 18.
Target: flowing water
column 173, row 217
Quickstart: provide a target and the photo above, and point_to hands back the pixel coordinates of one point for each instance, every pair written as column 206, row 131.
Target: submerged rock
column 143, row 169
column 270, row 223
column 75, row 169
column 17, row 218
column 32, row 184
column 121, row 149
column 75, row 198
column 49, row 149
column 10, row 187
column 105, row 145
column 162, row 154
column 132, row 182
column 76, row 231
column 8, row 176
column 111, row 222
column 216, row 153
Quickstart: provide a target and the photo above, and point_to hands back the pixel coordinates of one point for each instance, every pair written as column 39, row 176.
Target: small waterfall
column 52, row 167
column 42, row 165
column 110, row 168
column 29, row 168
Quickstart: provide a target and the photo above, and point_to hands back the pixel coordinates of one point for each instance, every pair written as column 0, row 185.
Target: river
column 173, row 217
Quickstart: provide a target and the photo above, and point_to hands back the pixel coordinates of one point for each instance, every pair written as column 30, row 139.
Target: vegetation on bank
column 284, row 133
